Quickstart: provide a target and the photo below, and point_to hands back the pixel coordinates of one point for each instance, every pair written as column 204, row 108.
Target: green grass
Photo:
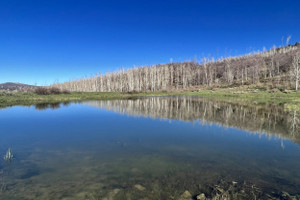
column 290, row 99
column 28, row 98
column 254, row 96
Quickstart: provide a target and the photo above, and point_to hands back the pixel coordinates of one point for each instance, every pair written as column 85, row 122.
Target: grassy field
column 290, row 99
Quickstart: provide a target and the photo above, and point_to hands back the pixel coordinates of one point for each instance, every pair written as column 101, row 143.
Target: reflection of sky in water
column 78, row 136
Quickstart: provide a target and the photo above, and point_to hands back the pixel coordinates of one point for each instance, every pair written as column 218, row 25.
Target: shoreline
column 290, row 99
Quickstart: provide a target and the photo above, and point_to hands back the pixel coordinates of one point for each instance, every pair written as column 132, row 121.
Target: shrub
column 66, row 91
column 49, row 90
column 42, row 91
column 54, row 90
column 133, row 92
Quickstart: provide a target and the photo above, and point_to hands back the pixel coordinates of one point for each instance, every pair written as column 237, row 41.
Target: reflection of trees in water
column 270, row 119
column 294, row 121
column 44, row 106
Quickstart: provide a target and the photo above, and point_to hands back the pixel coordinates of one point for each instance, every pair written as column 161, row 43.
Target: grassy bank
column 290, row 99
column 29, row 98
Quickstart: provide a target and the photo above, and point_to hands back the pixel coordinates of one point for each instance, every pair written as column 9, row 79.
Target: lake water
column 149, row 148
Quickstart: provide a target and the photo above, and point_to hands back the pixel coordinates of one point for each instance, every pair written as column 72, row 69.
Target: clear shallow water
column 149, row 148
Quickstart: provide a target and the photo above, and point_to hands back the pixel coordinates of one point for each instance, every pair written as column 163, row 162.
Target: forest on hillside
column 276, row 68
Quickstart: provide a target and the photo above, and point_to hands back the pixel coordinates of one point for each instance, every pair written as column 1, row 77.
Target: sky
column 47, row 41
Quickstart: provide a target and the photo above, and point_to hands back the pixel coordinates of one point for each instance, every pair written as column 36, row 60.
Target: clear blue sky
column 44, row 41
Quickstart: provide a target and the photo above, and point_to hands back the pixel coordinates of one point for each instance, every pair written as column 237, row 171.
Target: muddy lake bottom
column 134, row 150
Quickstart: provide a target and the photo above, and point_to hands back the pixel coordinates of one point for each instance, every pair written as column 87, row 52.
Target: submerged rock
column 201, row 196
column 186, row 196
column 139, row 187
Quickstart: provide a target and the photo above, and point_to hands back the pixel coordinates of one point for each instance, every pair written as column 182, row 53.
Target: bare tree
column 295, row 70
column 274, row 64
column 288, row 39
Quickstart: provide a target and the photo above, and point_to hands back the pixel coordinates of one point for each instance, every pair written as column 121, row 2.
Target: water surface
column 149, row 148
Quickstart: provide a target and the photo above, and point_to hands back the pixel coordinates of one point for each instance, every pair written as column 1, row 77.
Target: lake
column 150, row 148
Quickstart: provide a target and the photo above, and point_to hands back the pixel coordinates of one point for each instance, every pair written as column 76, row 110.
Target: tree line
column 278, row 66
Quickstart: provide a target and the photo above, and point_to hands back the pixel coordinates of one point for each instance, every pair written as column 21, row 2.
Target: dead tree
column 295, row 70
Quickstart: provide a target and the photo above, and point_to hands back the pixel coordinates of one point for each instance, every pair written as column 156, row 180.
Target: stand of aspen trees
column 278, row 65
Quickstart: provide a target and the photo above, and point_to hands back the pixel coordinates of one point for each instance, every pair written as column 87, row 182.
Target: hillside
column 277, row 68
column 9, row 86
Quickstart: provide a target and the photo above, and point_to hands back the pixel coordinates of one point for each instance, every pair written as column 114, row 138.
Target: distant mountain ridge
column 10, row 86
